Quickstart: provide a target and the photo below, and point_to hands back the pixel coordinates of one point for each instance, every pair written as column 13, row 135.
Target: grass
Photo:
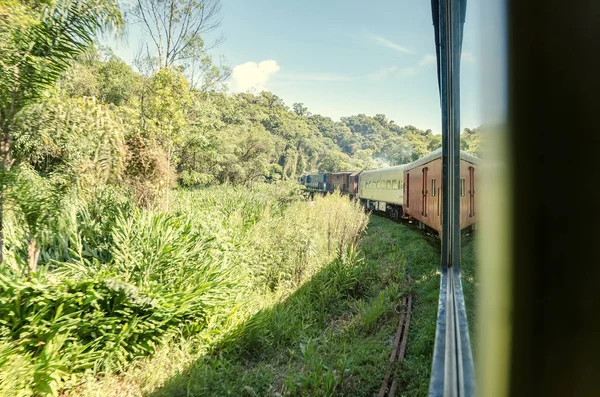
column 333, row 335
column 233, row 292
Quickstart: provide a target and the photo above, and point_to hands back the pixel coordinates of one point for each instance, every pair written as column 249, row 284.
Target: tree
column 300, row 109
column 166, row 113
column 38, row 43
column 176, row 28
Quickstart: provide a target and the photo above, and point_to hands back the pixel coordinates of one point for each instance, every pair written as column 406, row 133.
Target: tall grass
column 116, row 284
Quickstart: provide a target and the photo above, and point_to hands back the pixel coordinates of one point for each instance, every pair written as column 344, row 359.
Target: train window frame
column 433, row 189
column 462, row 187
column 378, row 185
column 394, row 184
column 388, row 184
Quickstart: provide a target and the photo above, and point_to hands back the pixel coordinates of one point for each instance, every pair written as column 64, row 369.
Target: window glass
column 395, row 184
column 433, row 190
column 388, row 184
column 462, row 187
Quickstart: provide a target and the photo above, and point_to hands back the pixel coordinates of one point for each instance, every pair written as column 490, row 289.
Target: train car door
column 407, row 189
column 471, row 191
column 424, row 192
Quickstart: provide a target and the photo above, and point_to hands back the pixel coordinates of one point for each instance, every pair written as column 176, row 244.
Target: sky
column 341, row 57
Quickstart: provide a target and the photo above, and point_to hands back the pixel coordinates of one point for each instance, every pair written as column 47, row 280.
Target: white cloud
column 390, row 44
column 382, row 73
column 407, row 72
column 428, row 60
column 468, row 57
column 320, row 77
column 252, row 75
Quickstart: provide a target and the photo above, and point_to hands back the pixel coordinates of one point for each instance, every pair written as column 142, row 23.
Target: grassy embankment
column 125, row 298
column 333, row 335
column 234, row 292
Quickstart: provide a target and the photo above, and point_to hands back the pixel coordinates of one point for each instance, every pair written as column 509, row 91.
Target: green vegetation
column 330, row 336
column 191, row 275
column 150, row 239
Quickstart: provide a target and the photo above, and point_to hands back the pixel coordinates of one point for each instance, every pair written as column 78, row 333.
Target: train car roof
column 437, row 154
column 386, row 169
column 343, row 172
column 424, row 160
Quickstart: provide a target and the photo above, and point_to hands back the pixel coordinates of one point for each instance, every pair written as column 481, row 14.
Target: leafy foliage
column 42, row 48
column 128, row 280
column 105, row 266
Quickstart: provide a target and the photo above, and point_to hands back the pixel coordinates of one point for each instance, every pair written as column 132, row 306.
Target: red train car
column 340, row 181
column 353, row 183
column 423, row 190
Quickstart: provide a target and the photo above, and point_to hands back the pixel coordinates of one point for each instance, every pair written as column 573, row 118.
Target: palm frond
column 41, row 52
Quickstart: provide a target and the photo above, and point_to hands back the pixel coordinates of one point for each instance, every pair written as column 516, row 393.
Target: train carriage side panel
column 354, row 184
column 468, row 205
column 423, row 193
column 340, row 181
column 423, row 190
column 382, row 189
column 314, row 181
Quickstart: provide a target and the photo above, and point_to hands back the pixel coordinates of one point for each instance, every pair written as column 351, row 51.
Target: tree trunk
column 1, row 221
column 33, row 253
column 5, row 163
column 168, row 180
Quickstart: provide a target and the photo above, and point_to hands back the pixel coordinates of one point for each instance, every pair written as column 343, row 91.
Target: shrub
column 80, row 325
column 120, row 280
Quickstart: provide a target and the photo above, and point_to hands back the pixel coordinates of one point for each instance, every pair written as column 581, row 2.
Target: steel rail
column 452, row 372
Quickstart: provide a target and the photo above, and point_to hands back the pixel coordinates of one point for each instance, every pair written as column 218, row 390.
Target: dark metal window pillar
column 452, row 367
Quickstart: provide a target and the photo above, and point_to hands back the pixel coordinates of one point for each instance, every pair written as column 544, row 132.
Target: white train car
column 383, row 190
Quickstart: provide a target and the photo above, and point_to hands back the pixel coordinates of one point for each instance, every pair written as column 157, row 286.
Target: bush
column 120, row 281
column 80, row 325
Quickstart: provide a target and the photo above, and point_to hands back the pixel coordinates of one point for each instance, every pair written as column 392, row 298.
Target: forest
column 144, row 205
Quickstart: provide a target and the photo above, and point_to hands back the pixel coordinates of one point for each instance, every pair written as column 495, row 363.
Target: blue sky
column 342, row 57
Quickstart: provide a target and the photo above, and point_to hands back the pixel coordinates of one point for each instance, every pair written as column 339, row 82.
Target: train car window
column 395, row 184
column 433, row 187
column 462, row 187
column 388, row 184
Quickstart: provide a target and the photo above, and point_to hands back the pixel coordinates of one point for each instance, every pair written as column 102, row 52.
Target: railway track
column 398, row 351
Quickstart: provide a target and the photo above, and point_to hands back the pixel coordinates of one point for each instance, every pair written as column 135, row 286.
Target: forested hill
column 158, row 129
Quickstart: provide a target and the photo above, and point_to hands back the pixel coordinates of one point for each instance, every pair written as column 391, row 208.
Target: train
column 409, row 191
